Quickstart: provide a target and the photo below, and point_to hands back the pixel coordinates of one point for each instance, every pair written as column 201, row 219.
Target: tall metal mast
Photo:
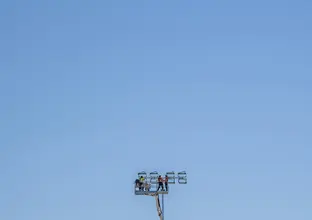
column 149, row 185
column 163, row 206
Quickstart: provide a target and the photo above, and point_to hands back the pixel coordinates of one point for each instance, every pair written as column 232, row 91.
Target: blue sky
column 94, row 91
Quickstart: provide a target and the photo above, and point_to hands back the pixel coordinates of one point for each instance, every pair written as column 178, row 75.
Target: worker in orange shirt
column 160, row 183
column 166, row 182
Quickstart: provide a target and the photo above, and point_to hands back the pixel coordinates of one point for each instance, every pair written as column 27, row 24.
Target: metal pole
column 163, row 206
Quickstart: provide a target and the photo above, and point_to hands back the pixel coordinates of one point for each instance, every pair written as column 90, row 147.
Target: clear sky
column 94, row 91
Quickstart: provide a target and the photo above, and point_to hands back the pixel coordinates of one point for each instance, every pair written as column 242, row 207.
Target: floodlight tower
column 149, row 185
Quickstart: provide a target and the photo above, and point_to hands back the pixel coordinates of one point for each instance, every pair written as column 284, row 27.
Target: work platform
column 149, row 193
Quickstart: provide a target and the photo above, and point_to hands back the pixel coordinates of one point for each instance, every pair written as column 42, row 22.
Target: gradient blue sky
column 94, row 91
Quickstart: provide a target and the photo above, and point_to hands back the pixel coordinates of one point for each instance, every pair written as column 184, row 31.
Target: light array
column 153, row 176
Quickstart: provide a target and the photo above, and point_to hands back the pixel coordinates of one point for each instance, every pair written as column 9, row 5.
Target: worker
column 160, row 183
column 147, row 186
column 166, row 182
column 141, row 183
column 137, row 183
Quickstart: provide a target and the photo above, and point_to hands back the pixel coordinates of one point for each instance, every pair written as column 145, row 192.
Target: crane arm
column 158, row 207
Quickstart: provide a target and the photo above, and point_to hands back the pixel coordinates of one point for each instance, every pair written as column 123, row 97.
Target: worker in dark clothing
column 160, row 183
column 166, row 182
column 137, row 183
